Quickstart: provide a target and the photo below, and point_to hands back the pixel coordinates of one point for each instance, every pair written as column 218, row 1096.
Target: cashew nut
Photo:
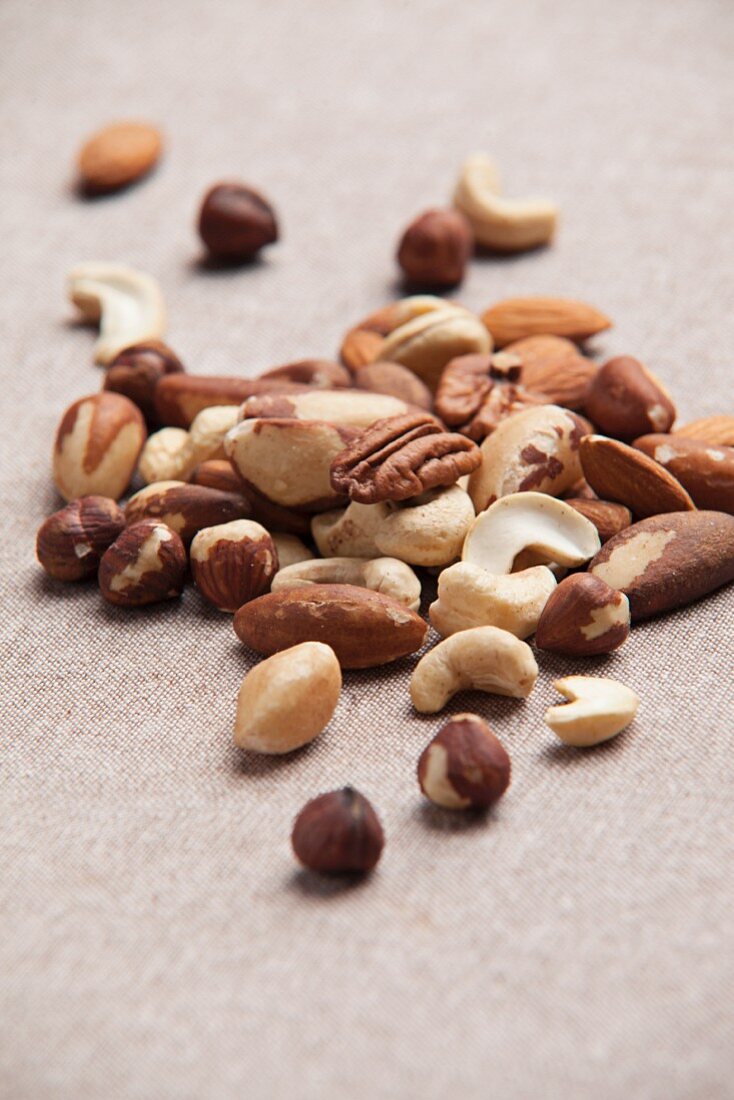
column 427, row 530
column 351, row 531
column 599, row 709
column 549, row 527
column 506, row 225
column 484, row 658
column 128, row 305
column 427, row 342
column 386, row 575
column 290, row 549
column 469, row 596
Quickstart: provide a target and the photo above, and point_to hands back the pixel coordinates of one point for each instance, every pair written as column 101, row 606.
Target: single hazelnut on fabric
column 136, row 371
column 233, row 563
column 235, row 222
column 71, row 542
column 338, row 832
column 145, row 564
column 465, row 766
column 435, row 248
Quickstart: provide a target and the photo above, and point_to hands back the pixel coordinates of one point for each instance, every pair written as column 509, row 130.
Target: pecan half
column 402, row 457
column 477, row 392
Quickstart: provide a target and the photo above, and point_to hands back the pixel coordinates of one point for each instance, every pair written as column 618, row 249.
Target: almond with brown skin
column 608, row 518
column 668, row 561
column 620, row 473
column 705, row 471
column 626, row 400
column 718, row 430
column 185, row 508
column 583, row 617
column 179, row 398
column 118, row 155
column 516, row 318
column 364, row 628
column 97, row 446
column 554, row 366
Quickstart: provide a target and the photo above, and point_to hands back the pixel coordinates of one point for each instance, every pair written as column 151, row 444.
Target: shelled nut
column 516, row 318
column 389, row 576
column 626, row 400
column 435, row 248
column 233, row 562
column 427, row 530
column 136, row 371
column 185, row 508
column 166, row 456
column 97, row 446
column 71, row 542
column 600, row 708
column 584, row 617
column 145, row 564
column 469, row 596
column 179, row 397
column 465, row 766
column 620, row 473
column 338, row 832
column 236, row 222
column 502, row 224
column 705, row 471
column 484, row 658
column 396, row 381
column 118, row 155
column 127, row 304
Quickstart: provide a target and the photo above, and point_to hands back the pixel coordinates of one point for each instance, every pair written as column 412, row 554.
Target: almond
column 516, row 318
column 718, row 430
column 608, row 518
column 667, row 561
column 626, row 400
column 118, row 155
column 619, row 473
column 364, row 628
column 705, row 471
column 554, row 366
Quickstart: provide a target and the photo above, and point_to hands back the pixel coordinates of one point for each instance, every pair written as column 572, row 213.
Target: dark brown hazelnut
column 338, row 832
column 145, row 564
column 435, row 248
column 71, row 542
column 136, row 371
column 235, row 222
column 465, row 766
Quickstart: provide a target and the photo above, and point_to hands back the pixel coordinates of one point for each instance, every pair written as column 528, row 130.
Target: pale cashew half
column 427, row 530
column 290, row 549
column 484, row 658
column 507, row 225
column 350, row 532
column 127, row 303
column 386, row 575
column 529, row 521
column 599, row 709
column 469, row 596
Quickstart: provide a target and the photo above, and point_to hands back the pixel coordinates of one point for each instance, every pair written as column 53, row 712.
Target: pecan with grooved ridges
column 402, row 457
column 477, row 392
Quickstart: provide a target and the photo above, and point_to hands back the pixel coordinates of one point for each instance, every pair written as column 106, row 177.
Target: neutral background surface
column 157, row 941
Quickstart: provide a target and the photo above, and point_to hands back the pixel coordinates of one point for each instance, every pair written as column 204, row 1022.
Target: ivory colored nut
column 484, row 658
column 97, row 446
column 428, row 342
column 233, row 563
column 386, row 575
column 435, row 248
column 290, row 550
column 505, row 225
column 529, row 521
column 427, row 530
column 599, row 709
column 208, row 429
column 128, row 305
column 166, row 456
column 469, row 596
column 351, row 531
column 288, row 699
column 465, row 766
column 363, row 343
column 145, row 564
column 70, row 543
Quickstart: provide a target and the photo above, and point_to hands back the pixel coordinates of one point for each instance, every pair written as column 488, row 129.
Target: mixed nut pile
column 553, row 497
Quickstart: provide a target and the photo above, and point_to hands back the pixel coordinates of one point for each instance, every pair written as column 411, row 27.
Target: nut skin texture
column 233, row 563
column 474, row 397
column 396, row 381
column 320, row 374
column 626, row 476
column 179, row 398
column 608, row 518
column 117, row 156
column 338, row 833
column 97, row 446
column 364, row 628
column 554, row 366
column 136, row 371
column 288, row 699
column 145, row 564
column 185, row 508
column 668, row 561
column 435, row 248
column 718, row 430
column 516, row 318
column 465, row 766
column 583, row 617
column 625, row 400
column 235, row 222
column 706, row 472
column 71, row 542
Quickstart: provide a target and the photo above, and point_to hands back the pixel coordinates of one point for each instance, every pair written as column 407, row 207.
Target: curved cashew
column 599, row 709
column 469, row 596
column 529, row 521
column 507, row 225
column 386, row 575
column 127, row 303
column 427, row 530
column 349, row 532
column 484, row 658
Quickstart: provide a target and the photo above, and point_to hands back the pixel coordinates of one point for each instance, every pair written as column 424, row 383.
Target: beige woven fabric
column 157, row 940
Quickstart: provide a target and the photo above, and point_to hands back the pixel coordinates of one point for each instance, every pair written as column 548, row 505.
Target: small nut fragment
column 529, row 521
column 584, row 617
column 136, row 371
column 608, row 518
column 145, row 564
column 290, row 550
column 97, row 446
column 474, row 396
column 128, row 305
column 515, row 318
column 338, row 833
column 625, row 400
column 395, row 380
column 71, row 542
column 620, row 473
column 427, row 530
column 429, row 341
column 235, row 222
column 484, row 658
column 389, row 576
column 465, row 766
column 339, row 408
column 706, row 472
column 435, row 248
column 166, row 456
column 185, row 508
column 321, row 374
column 233, row 563
column 554, row 366
column 469, row 596
column 504, row 225
column 118, row 155
column 600, row 708
column 288, row 699
column 350, row 532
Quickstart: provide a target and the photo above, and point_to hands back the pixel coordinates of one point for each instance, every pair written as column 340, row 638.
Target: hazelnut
column 235, row 222
column 434, row 249
column 185, row 508
column 338, row 832
column 97, row 446
column 71, row 542
column 136, row 371
column 465, row 766
column 233, row 563
column 145, row 564
column 584, row 616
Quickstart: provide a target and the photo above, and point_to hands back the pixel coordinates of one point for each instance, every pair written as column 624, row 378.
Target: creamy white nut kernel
column 386, row 575
column 484, row 658
column 127, row 303
column 469, row 596
column 428, row 530
column 600, row 708
column 166, row 456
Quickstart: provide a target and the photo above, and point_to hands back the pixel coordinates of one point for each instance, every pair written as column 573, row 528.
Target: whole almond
column 718, row 430
column 364, row 628
column 705, row 471
column 118, row 155
column 620, row 473
column 626, row 400
column 516, row 318
column 554, row 367
column 667, row 561
column 608, row 518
